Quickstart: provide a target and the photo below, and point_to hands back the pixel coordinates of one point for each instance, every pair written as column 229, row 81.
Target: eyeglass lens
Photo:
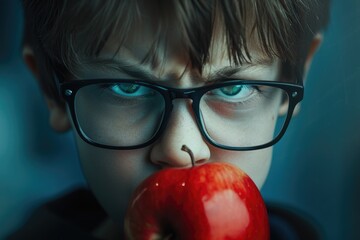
column 127, row 114
column 243, row 115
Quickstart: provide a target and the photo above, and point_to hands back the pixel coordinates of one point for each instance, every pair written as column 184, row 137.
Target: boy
column 137, row 80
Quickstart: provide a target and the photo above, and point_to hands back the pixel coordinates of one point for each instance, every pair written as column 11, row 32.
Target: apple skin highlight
column 212, row 201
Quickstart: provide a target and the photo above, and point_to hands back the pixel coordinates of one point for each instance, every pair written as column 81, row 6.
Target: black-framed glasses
column 130, row 114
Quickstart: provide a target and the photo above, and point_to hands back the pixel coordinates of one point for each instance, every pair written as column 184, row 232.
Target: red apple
column 212, row 201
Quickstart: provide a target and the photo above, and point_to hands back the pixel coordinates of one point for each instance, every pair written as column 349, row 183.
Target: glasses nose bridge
column 183, row 94
column 186, row 94
column 194, row 95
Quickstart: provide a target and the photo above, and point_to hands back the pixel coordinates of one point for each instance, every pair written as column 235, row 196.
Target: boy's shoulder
column 73, row 216
column 76, row 215
column 291, row 224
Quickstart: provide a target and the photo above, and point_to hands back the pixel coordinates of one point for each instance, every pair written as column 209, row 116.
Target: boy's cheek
column 255, row 163
column 113, row 175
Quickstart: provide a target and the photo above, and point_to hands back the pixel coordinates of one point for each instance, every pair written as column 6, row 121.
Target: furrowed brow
column 138, row 71
column 223, row 73
column 230, row 71
column 122, row 66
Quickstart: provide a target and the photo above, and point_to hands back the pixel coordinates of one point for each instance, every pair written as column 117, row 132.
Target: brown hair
column 62, row 31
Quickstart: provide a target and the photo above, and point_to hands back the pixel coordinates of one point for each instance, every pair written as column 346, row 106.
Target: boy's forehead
column 172, row 59
column 172, row 53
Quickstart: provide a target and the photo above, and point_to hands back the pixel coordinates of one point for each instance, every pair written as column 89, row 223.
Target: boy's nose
column 181, row 130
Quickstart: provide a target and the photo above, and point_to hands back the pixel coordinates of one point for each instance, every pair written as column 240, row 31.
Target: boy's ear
column 58, row 118
column 314, row 46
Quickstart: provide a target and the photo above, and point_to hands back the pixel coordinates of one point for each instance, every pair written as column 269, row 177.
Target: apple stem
column 186, row 149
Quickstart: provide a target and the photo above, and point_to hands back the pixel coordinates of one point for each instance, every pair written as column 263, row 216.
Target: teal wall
column 315, row 167
column 32, row 166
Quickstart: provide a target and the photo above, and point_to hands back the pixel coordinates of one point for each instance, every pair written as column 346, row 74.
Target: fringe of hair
column 66, row 30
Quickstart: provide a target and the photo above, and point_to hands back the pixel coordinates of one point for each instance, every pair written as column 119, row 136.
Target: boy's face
column 113, row 174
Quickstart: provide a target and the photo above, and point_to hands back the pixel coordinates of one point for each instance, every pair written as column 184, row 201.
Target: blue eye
column 130, row 90
column 231, row 90
column 235, row 92
column 126, row 87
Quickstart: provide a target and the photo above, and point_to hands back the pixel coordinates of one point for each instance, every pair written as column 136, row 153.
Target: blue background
column 315, row 166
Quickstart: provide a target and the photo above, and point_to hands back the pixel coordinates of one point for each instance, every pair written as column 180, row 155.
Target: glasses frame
column 69, row 89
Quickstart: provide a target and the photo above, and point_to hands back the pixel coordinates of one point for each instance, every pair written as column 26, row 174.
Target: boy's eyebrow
column 224, row 72
column 136, row 71
column 230, row 71
column 123, row 66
